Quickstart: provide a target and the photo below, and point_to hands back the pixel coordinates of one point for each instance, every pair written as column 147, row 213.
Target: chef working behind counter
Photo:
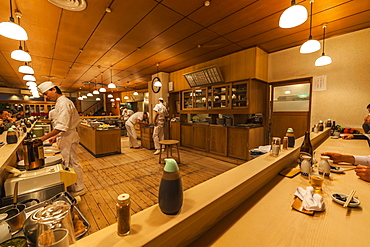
column 65, row 122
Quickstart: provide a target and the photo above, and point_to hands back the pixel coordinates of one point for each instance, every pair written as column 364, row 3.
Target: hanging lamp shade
column 126, row 97
column 293, row 16
column 90, row 94
column 310, row 46
column 21, row 55
column 102, row 90
column 112, row 100
column 110, row 96
column 158, row 83
column 111, row 85
column 80, row 98
column 84, row 96
column 29, row 78
column 323, row 60
column 25, row 69
column 12, row 30
column 95, row 92
column 31, row 83
column 118, row 99
column 97, row 99
column 135, row 93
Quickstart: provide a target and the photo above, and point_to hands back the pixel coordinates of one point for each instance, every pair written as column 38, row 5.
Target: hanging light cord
column 11, row 12
column 311, row 2
column 323, row 41
column 111, row 74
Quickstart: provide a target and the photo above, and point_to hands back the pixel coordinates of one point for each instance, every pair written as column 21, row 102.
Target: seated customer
column 362, row 170
column 366, row 124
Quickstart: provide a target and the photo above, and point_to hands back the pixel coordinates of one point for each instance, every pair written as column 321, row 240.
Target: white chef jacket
column 126, row 114
column 162, row 111
column 66, row 115
column 136, row 116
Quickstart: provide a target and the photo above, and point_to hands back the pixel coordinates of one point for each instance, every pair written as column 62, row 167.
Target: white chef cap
column 45, row 86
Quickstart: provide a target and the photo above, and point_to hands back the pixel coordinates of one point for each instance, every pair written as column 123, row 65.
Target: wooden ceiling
column 75, row 47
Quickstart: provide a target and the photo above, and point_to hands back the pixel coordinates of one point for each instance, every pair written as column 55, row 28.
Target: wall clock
column 155, row 88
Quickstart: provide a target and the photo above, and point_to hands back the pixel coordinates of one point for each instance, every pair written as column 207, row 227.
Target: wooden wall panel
column 282, row 121
column 249, row 63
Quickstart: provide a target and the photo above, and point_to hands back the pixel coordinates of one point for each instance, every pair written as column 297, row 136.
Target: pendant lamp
column 97, row 99
column 26, row 69
column 12, row 30
column 102, row 89
column 157, row 81
column 95, row 90
column 110, row 96
column 31, row 83
column 112, row 100
column 80, row 98
column 111, row 84
column 84, row 97
column 293, row 16
column 310, row 45
column 20, row 54
column 135, row 93
column 29, row 78
column 126, row 97
column 323, row 60
column 118, row 99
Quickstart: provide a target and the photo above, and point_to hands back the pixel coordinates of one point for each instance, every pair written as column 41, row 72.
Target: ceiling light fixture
column 97, row 99
column 111, row 84
column 80, row 98
column 29, row 78
column 156, row 80
column 135, row 93
column 12, row 30
column 20, row 54
column 31, row 83
column 26, row 69
column 110, row 96
column 118, row 99
column 310, row 45
column 323, row 60
column 293, row 16
column 95, row 90
column 112, row 100
column 102, row 89
column 84, row 97
column 126, row 97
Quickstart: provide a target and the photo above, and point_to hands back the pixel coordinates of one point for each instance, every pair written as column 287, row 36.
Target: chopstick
column 349, row 198
column 349, row 169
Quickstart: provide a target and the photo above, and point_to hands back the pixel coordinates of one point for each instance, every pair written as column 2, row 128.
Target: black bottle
column 306, row 148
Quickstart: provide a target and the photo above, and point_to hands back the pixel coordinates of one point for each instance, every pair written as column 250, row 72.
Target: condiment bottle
column 321, row 126
column 306, row 166
column 285, row 142
column 306, row 148
column 24, row 127
column 324, row 166
column 275, row 146
column 11, row 136
column 123, row 214
column 170, row 194
column 291, row 139
column 315, row 128
column 328, row 123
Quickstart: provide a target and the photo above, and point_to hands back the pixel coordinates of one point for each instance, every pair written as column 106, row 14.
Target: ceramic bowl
column 341, row 199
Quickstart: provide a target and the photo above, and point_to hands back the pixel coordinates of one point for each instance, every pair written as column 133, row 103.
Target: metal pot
column 34, row 157
column 16, row 221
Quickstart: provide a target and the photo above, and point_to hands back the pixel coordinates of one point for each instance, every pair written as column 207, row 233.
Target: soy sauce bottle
column 11, row 136
column 170, row 194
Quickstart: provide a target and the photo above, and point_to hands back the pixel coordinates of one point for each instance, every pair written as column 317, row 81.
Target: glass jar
column 123, row 214
column 275, row 146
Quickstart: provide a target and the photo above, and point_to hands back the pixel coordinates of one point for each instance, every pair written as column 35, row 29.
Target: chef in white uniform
column 65, row 123
column 136, row 118
column 158, row 131
column 126, row 113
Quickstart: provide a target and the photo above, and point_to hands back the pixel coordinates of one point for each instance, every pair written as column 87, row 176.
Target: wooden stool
column 168, row 148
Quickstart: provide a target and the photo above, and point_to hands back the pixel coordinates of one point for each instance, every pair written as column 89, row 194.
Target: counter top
column 218, row 125
column 204, row 205
column 266, row 218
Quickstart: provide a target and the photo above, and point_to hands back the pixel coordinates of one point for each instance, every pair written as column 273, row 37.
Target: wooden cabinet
column 247, row 96
column 175, row 131
column 218, row 140
column 237, row 140
column 200, row 137
column 147, row 137
column 221, row 96
column 187, row 135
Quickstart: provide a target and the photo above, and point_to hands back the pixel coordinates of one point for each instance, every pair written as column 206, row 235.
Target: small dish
column 341, row 199
column 334, row 137
column 336, row 169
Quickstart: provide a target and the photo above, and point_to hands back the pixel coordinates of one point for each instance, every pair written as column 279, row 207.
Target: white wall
column 348, row 77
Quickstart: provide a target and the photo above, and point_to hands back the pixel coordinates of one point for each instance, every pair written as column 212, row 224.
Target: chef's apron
column 68, row 146
column 158, row 133
column 131, row 132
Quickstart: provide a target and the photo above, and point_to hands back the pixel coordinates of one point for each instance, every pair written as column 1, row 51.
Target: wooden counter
column 266, row 218
column 204, row 205
column 100, row 142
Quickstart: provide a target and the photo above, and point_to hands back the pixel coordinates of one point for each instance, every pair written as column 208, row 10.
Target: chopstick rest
column 349, row 198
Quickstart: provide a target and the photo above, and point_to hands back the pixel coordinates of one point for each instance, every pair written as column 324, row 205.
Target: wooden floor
column 138, row 173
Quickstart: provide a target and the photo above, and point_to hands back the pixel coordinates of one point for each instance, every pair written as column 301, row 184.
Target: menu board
column 204, row 76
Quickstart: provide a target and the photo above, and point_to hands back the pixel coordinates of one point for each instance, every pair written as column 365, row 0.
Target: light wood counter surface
column 267, row 219
column 204, row 205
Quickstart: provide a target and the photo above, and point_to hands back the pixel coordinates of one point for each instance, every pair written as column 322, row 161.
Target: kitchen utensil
column 17, row 219
column 33, row 154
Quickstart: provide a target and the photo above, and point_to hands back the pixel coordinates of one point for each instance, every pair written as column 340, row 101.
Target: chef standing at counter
column 65, row 123
column 158, row 132
column 136, row 118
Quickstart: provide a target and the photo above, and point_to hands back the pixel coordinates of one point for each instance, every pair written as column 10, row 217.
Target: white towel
column 310, row 201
